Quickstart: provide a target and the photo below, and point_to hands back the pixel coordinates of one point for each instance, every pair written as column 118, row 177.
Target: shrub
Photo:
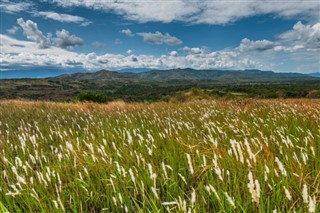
column 313, row 94
column 190, row 95
column 98, row 97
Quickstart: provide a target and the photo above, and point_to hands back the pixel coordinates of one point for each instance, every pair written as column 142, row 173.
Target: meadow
column 205, row 156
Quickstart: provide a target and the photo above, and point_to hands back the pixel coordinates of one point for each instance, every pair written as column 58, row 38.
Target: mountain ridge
column 189, row 74
column 315, row 74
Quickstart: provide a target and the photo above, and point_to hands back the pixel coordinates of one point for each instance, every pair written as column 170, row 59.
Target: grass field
column 210, row 156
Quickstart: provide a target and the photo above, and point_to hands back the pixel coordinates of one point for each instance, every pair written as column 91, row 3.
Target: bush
column 93, row 97
column 181, row 97
column 313, row 94
column 190, row 95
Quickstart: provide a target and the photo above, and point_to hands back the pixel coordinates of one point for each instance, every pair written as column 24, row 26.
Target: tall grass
column 209, row 156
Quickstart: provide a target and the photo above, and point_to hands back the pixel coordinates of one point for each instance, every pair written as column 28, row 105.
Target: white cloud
column 7, row 6
column 129, row 52
column 198, row 11
column 63, row 17
column 300, row 38
column 18, row 53
column 224, row 59
column 133, row 58
column 159, row 38
column 295, row 50
column 306, row 36
column 63, row 39
column 31, row 31
column 67, row 41
column 127, row 32
column 16, row 7
column 224, row 12
column 142, row 11
column 260, row 45
column 13, row 30
column 98, row 44
column 11, row 45
column 173, row 53
column 196, row 50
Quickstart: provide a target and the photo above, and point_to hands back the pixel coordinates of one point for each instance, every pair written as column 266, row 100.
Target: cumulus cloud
column 159, row 38
column 198, row 11
column 260, row 45
column 63, row 39
column 196, row 50
column 67, row 41
column 13, row 30
column 133, row 58
column 31, row 31
column 303, row 36
column 294, row 50
column 14, row 46
column 129, row 52
column 297, row 48
column 18, row 53
column 300, row 38
column 173, row 53
column 127, row 32
column 63, row 17
column 7, row 6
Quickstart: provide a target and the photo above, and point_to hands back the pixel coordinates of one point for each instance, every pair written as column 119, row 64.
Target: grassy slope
column 92, row 158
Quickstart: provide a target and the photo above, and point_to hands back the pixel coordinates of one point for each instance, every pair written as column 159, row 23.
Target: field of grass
column 209, row 156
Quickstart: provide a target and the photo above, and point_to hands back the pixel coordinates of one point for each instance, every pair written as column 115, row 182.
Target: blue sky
column 93, row 35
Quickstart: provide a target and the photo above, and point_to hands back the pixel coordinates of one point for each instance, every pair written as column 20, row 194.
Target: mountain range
column 191, row 74
column 148, row 74
column 315, row 74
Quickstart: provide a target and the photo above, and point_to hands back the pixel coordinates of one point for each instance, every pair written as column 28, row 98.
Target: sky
column 90, row 35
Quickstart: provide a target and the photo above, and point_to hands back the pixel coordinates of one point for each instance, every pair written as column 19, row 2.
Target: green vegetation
column 201, row 156
column 93, row 97
column 152, row 90
column 193, row 94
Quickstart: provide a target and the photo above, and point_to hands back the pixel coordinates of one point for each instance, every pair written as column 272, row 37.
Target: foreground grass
column 213, row 156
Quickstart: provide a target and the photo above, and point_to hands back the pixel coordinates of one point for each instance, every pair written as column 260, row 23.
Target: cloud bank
column 198, row 11
column 12, row 7
column 298, row 46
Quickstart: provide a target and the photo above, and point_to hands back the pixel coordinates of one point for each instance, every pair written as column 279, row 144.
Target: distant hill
column 102, row 74
column 315, row 74
column 134, row 70
column 192, row 74
column 34, row 73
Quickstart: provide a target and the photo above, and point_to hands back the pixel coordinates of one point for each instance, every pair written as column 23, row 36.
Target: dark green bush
column 98, row 97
